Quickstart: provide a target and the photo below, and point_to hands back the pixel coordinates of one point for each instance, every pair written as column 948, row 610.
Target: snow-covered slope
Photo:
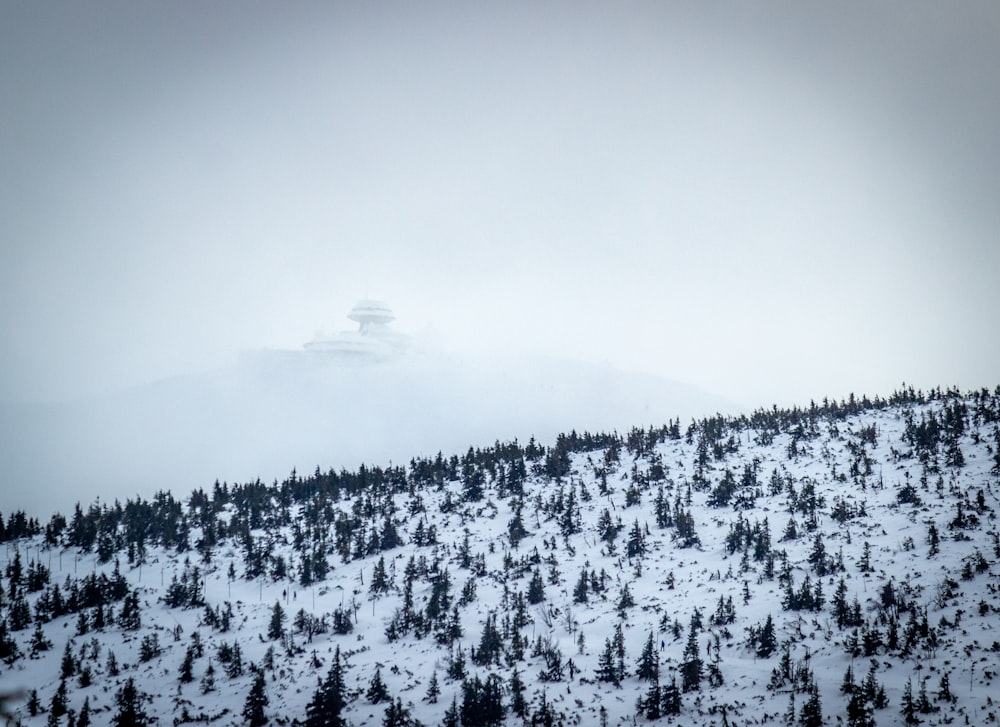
column 720, row 527
column 268, row 414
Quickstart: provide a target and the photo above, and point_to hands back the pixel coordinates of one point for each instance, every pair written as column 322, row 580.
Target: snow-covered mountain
column 276, row 411
column 825, row 565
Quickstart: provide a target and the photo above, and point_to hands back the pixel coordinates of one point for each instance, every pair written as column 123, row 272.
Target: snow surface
column 897, row 534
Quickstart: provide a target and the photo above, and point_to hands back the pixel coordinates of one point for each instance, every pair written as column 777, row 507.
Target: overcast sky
column 774, row 201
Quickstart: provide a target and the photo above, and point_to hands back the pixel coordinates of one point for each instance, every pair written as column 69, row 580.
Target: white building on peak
column 374, row 339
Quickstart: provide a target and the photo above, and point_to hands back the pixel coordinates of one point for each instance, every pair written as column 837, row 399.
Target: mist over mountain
column 274, row 411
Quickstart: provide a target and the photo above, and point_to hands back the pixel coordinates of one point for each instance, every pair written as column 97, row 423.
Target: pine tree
column 208, row 680
column 34, row 704
column 433, row 689
column 812, row 711
column 380, row 578
column 580, row 589
column 536, row 588
column 648, row 666
column 607, row 670
column 847, row 685
column 68, row 665
column 907, row 707
column 186, row 673
column 619, row 644
column 329, row 699
column 636, row 545
column 130, row 712
column 944, row 689
column 396, row 715
column 518, row 704
column 691, row 668
column 671, row 697
column 9, row 651
column 276, row 627
column 83, row 719
column 57, row 708
column 377, row 691
column 253, row 707
column 651, row 704
column 451, row 715
column 112, row 664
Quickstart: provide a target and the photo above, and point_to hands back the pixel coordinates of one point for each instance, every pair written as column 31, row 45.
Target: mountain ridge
column 834, row 563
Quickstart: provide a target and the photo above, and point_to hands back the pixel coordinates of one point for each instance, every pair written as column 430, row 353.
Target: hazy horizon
column 774, row 203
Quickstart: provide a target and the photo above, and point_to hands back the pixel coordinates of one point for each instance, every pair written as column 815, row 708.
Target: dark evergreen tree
column 518, row 704
column 67, row 666
column 377, row 691
column 84, row 719
column 186, row 672
column 671, row 695
column 396, row 715
column 276, row 627
column 648, row 667
column 580, row 589
column 208, row 680
column 9, row 651
column 380, row 578
column 450, row 718
column 636, row 545
column 607, row 665
column 812, row 711
column 490, row 643
column 329, row 699
column 907, row 706
column 482, row 702
column 691, row 667
column 433, row 689
column 536, row 588
column 944, row 689
column 256, row 701
column 34, row 704
column 130, row 710
column 58, row 706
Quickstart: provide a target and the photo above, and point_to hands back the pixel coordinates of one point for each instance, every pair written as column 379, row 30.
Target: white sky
column 773, row 201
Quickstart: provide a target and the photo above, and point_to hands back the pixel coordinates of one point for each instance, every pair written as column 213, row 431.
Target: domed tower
column 372, row 316
column 373, row 340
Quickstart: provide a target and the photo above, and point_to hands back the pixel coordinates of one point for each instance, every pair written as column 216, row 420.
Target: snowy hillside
column 826, row 565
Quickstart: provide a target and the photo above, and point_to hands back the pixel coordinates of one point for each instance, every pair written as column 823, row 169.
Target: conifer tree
column 396, row 715
column 433, row 689
column 377, row 691
column 607, row 665
column 9, row 651
column 536, row 588
column 518, row 704
column 451, row 714
column 812, row 711
column 34, row 704
column 580, row 589
column 130, row 712
column 329, row 699
column 671, row 698
column 58, row 706
column 691, row 668
column 648, row 666
column 256, row 701
column 907, row 707
column 186, row 673
column 208, row 680
column 83, row 719
column 276, row 627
